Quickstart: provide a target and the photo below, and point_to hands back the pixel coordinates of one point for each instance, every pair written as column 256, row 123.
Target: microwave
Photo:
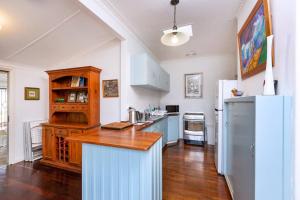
column 172, row 108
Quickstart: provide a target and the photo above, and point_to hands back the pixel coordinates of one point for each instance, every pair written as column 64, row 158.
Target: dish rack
column 33, row 140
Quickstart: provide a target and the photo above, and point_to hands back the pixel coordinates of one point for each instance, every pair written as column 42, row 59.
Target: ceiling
column 214, row 24
column 43, row 33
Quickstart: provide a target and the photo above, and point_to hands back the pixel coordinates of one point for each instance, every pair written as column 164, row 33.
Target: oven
column 194, row 131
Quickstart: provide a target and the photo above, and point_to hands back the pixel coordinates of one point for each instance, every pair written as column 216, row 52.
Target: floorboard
column 188, row 174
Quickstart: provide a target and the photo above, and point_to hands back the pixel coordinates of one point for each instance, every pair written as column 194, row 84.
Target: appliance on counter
column 194, row 128
column 223, row 91
column 172, row 108
column 134, row 115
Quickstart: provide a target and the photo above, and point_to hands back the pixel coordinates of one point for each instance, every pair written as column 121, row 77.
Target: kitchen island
column 121, row 164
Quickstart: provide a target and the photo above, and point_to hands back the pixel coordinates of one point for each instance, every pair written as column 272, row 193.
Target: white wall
column 21, row 110
column 130, row 45
column 283, row 20
column 297, row 108
column 214, row 68
column 107, row 57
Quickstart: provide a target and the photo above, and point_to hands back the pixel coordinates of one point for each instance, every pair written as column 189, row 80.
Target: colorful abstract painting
column 253, row 40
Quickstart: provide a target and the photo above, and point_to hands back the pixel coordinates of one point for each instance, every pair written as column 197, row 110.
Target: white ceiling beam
column 51, row 30
column 82, row 53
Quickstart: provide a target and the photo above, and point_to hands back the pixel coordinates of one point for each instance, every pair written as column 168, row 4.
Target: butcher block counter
column 121, row 164
column 129, row 138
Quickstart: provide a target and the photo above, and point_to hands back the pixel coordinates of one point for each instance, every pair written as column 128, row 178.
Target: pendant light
column 174, row 37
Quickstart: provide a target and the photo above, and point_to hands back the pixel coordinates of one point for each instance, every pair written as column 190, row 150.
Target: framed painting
column 252, row 40
column 31, row 93
column 193, row 85
column 110, row 88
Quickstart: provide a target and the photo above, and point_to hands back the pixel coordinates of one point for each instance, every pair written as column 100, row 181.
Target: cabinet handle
column 252, row 149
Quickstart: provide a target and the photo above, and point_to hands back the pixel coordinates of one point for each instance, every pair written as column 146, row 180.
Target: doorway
column 3, row 118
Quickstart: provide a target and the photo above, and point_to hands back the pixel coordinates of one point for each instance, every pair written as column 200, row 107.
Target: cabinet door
column 173, row 128
column 240, row 141
column 48, row 143
column 165, row 130
column 165, row 81
column 75, row 149
column 152, row 74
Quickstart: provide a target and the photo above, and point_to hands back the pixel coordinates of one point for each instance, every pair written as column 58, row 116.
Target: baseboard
column 229, row 186
column 172, row 143
column 61, row 166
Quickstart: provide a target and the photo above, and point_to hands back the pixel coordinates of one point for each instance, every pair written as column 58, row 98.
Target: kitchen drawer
column 61, row 132
column 74, row 132
column 72, row 107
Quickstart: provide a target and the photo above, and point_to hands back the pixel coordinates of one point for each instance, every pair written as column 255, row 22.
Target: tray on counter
column 117, row 125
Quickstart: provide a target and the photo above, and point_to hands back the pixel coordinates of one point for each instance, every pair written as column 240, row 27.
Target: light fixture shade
column 174, row 38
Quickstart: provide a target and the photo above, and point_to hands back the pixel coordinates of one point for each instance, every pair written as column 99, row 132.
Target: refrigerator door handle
column 218, row 110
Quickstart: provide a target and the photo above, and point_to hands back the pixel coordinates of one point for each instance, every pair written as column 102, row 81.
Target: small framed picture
column 81, row 97
column 110, row 88
column 72, row 97
column 193, row 85
column 31, row 93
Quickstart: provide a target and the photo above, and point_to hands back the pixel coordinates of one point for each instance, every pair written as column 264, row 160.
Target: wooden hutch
column 74, row 108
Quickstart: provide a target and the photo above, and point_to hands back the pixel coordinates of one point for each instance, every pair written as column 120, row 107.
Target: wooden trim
column 88, row 68
column 268, row 27
column 63, row 166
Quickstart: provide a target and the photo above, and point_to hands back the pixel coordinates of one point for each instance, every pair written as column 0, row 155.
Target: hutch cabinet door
column 75, row 149
column 48, row 143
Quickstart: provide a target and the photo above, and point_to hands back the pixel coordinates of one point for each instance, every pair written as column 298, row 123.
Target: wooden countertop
column 130, row 138
column 70, row 125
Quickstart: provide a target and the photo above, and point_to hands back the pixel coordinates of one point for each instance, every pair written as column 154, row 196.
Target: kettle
column 134, row 115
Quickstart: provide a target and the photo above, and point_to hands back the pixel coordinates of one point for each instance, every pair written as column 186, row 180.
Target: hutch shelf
column 74, row 109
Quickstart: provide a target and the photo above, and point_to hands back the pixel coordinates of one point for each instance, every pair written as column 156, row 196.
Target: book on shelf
column 75, row 81
column 81, row 82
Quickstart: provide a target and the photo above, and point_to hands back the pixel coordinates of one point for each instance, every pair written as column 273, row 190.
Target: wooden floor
column 189, row 174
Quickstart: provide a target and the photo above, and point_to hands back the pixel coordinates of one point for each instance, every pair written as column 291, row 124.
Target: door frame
column 12, row 142
column 7, row 70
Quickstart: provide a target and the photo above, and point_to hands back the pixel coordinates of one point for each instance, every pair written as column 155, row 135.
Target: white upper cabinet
column 147, row 73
